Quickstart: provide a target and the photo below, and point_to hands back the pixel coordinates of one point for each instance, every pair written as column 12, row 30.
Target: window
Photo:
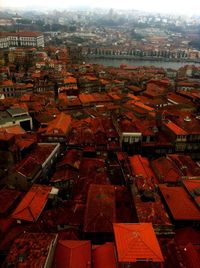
column 126, row 139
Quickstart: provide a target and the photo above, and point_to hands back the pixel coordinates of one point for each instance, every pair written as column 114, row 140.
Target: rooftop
column 175, row 129
column 72, row 158
column 185, row 163
column 31, row 164
column 60, row 125
column 144, row 175
column 31, row 206
column 73, row 254
column 136, row 242
column 100, row 209
column 180, row 204
column 7, row 198
column 166, row 170
column 31, row 250
column 104, row 256
column 193, row 188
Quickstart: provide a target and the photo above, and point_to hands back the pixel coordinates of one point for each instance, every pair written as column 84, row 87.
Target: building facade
column 21, row 39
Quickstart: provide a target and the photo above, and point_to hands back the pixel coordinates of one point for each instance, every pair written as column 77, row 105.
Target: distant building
column 21, row 39
column 7, row 89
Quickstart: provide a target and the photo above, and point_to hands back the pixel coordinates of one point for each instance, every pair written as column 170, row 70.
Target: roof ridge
column 138, row 231
column 81, row 242
column 147, row 244
column 27, row 206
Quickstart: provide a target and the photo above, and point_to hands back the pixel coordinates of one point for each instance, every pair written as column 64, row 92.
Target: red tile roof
column 166, row 170
column 144, row 175
column 31, row 206
column 104, row 256
column 136, row 242
column 64, row 174
column 6, row 83
column 175, row 128
column 180, row 203
column 24, row 143
column 92, row 171
column 73, row 254
column 11, row 234
column 185, row 163
column 100, row 210
column 28, row 167
column 187, row 235
column 31, row 164
column 71, row 214
column 193, row 187
column 192, row 256
column 31, row 250
column 7, row 198
column 70, row 80
column 71, row 158
column 60, row 125
column 16, row 130
column 153, row 212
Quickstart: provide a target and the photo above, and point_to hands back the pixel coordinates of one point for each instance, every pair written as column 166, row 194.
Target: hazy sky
column 180, row 6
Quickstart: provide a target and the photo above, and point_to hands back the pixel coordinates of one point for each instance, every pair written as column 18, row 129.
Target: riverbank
column 132, row 58
column 137, row 62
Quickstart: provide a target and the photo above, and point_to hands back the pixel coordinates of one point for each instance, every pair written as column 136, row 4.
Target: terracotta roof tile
column 144, row 175
column 136, row 242
column 100, row 209
column 175, row 128
column 192, row 256
column 185, row 163
column 61, row 124
column 193, row 187
column 31, row 206
column 31, row 250
column 7, row 198
column 104, row 256
column 166, row 170
column 180, row 203
column 187, row 235
column 73, row 254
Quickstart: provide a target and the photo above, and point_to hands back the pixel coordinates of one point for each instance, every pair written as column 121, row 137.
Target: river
column 131, row 62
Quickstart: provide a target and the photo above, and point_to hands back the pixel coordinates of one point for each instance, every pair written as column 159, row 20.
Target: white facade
column 22, row 40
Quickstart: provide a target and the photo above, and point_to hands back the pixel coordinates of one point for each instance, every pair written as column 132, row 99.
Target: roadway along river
column 131, row 62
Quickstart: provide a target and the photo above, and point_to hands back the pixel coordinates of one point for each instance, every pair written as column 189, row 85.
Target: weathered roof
column 61, row 124
column 166, row 170
column 7, row 198
column 192, row 256
column 185, row 163
column 31, row 250
column 16, row 111
column 100, row 209
column 179, row 203
column 193, row 188
column 144, row 175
